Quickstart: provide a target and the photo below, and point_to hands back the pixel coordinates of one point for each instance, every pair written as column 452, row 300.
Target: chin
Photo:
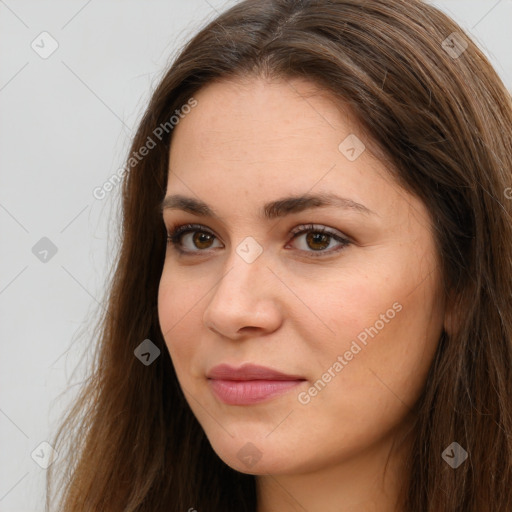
column 255, row 457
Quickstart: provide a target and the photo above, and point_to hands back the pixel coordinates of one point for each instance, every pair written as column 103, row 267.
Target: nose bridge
column 246, row 267
column 243, row 295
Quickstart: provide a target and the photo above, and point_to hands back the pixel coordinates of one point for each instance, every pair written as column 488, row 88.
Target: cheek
column 178, row 305
column 350, row 306
column 384, row 324
column 170, row 308
column 380, row 383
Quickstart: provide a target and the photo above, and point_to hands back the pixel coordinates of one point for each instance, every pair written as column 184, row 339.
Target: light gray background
column 65, row 128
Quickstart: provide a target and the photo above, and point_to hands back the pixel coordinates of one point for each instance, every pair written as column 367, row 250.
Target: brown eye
column 191, row 238
column 315, row 241
column 202, row 240
column 318, row 241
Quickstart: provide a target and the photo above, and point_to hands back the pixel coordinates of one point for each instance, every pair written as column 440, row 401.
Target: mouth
column 249, row 384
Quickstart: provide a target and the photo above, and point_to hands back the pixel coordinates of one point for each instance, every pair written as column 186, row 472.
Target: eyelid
column 320, row 228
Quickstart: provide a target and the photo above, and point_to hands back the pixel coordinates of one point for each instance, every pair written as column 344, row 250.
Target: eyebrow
column 271, row 210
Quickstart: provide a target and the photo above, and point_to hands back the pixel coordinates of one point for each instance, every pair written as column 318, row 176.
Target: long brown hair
column 442, row 117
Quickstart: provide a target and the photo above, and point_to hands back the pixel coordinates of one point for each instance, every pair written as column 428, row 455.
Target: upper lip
column 248, row 372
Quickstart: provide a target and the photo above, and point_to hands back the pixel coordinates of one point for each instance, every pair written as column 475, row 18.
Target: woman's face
column 350, row 318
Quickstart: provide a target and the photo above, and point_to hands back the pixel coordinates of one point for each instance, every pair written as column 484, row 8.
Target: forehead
column 287, row 128
column 253, row 141
column 266, row 113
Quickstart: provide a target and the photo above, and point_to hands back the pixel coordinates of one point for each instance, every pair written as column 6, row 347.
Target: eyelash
column 174, row 237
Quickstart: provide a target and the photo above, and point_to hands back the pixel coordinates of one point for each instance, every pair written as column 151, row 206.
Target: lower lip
column 247, row 392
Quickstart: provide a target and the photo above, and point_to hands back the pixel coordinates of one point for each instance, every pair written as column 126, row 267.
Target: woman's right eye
column 191, row 238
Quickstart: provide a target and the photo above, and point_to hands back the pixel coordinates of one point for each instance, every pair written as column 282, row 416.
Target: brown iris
column 200, row 238
column 313, row 239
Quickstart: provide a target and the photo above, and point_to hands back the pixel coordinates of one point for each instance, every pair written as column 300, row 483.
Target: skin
column 250, row 142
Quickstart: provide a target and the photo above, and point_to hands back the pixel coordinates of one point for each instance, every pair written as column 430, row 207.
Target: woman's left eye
column 319, row 238
column 315, row 239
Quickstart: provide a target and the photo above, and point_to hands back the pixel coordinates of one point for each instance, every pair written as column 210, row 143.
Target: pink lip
column 249, row 384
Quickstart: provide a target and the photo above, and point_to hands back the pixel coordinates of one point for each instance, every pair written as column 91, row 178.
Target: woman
column 329, row 324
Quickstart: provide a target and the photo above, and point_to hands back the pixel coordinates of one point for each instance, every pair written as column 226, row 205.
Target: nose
column 244, row 301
